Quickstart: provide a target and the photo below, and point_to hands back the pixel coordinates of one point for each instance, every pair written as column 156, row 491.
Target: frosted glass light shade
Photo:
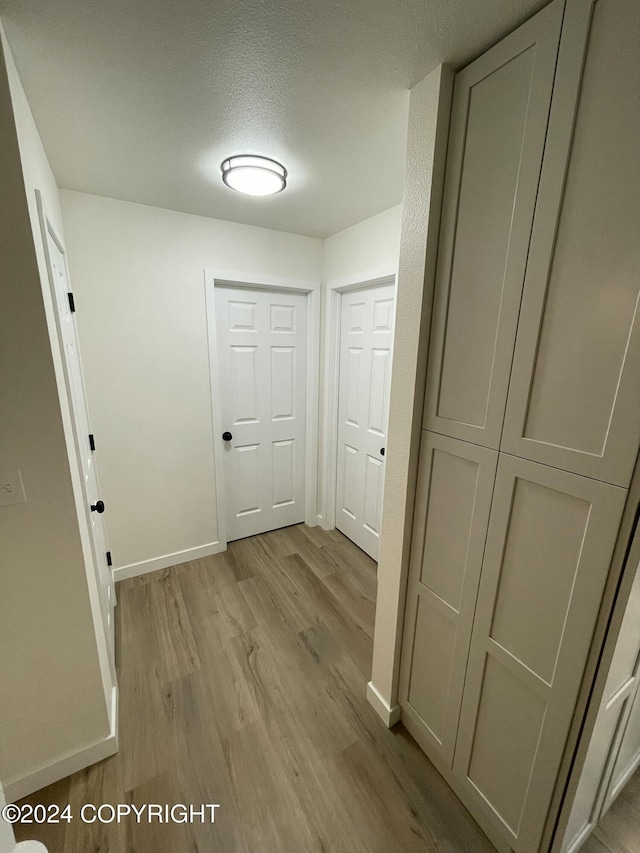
column 254, row 175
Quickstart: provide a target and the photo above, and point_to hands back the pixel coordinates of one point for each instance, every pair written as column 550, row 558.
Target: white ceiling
column 142, row 99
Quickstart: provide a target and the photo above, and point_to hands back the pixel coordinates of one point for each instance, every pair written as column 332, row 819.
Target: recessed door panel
column 373, row 487
column 262, row 345
column 284, row 472
column 350, row 474
column 352, row 366
column 549, row 546
column 242, row 316
column 244, row 382
column 496, row 124
column 380, row 376
column 248, row 458
column 508, row 727
column 574, row 398
column 497, row 134
column 536, row 584
column 383, row 315
column 455, row 484
column 452, row 493
column 283, row 383
column 433, row 655
column 355, row 316
column 366, row 333
column 283, row 318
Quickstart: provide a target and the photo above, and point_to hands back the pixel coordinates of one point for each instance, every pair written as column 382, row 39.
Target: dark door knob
column 382, row 451
column 98, row 506
column 226, row 436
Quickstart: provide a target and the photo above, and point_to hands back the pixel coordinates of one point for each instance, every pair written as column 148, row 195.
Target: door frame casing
column 212, row 279
column 331, row 381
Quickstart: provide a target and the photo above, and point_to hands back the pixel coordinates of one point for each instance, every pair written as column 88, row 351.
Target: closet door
column 574, row 397
column 549, row 545
column 617, row 700
column 628, row 758
column 498, row 125
column 455, row 483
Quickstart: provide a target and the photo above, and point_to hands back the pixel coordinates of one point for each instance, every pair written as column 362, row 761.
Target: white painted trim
column 218, row 450
column 167, row 560
column 365, row 278
column 237, row 278
column 16, row 789
column 333, row 310
column 390, row 715
column 312, row 414
column 252, row 282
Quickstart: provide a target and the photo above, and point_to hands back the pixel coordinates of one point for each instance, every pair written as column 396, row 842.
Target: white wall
column 56, row 705
column 138, row 276
column 366, row 251
column 426, row 151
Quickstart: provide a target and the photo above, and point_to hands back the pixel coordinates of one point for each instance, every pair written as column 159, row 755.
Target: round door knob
column 98, row 506
column 382, row 451
column 226, row 436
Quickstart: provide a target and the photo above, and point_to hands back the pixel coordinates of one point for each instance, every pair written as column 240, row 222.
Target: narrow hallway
column 242, row 681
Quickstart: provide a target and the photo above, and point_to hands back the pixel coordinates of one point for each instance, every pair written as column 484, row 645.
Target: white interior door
column 262, row 357
column 84, row 444
column 366, row 337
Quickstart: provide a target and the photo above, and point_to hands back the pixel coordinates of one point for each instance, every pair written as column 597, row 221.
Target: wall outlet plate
column 11, row 488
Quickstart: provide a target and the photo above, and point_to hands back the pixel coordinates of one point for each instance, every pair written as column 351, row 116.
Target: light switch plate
column 11, row 488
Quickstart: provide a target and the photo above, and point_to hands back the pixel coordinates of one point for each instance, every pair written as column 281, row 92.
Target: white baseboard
column 16, row 789
column 168, row 560
column 388, row 714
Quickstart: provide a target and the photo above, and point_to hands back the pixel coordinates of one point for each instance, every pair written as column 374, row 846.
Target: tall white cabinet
column 532, row 410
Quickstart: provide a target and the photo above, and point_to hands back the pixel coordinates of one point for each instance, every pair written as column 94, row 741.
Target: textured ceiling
column 142, row 99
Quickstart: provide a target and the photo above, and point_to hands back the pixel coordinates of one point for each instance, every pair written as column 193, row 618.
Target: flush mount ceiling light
column 254, row 175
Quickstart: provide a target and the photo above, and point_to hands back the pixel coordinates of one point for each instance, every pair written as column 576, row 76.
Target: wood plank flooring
column 242, row 682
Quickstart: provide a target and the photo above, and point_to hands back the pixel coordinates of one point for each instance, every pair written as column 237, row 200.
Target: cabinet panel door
column 574, row 397
column 499, row 118
column 455, row 483
column 628, row 758
column 617, row 701
column 550, row 540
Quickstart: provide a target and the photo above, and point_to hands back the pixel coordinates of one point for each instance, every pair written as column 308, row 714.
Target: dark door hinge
column 92, row 442
column 109, row 561
column 72, row 302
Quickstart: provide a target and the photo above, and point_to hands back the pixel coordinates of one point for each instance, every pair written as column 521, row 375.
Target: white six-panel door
column 262, row 349
column 75, row 383
column 366, row 336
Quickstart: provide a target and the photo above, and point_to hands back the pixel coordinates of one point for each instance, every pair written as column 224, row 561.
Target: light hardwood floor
column 242, row 682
